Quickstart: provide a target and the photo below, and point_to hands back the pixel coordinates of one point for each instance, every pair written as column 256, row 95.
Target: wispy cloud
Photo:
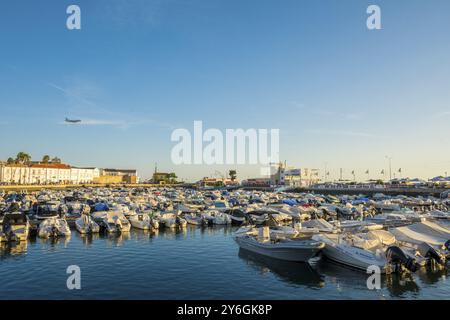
column 325, row 112
column 72, row 94
column 132, row 13
column 345, row 133
column 108, row 117
column 343, row 115
column 442, row 114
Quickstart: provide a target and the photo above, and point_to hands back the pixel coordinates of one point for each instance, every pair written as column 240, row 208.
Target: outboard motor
column 429, row 252
column 447, row 245
column 398, row 258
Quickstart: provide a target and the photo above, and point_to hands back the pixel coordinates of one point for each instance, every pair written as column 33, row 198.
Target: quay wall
column 77, row 186
column 372, row 191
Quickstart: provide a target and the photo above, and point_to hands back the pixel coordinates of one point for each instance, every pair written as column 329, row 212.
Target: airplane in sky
column 72, row 121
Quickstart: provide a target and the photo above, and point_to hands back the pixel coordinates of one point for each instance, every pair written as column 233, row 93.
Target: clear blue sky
column 340, row 94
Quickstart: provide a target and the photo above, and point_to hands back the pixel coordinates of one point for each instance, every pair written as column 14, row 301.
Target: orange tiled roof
column 51, row 166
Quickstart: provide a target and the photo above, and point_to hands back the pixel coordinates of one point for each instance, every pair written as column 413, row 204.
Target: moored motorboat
column 14, row 227
column 142, row 221
column 279, row 248
column 86, row 225
column 53, row 227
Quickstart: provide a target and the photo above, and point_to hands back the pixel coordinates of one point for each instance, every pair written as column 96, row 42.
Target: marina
column 181, row 243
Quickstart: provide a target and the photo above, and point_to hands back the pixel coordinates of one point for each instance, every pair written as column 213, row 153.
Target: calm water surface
column 197, row 263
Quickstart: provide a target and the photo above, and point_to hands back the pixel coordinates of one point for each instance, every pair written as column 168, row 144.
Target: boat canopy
column 101, row 207
column 426, row 231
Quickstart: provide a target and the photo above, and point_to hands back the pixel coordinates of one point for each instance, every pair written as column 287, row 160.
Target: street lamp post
column 390, row 167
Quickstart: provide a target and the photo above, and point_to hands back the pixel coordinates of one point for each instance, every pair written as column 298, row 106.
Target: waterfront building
column 217, row 182
column 257, row 182
column 111, row 176
column 294, row 177
column 46, row 173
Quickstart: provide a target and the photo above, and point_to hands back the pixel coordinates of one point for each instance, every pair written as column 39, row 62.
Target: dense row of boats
column 396, row 234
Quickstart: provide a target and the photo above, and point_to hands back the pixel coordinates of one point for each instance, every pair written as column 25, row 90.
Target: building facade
column 51, row 173
column 294, row 177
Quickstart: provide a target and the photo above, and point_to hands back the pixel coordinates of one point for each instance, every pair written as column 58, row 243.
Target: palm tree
column 46, row 159
column 23, row 157
column 232, row 174
column 10, row 161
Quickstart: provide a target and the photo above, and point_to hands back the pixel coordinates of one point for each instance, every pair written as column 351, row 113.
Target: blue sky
column 341, row 95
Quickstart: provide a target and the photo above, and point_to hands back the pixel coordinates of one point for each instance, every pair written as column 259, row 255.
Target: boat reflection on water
column 346, row 278
column 217, row 229
column 13, row 249
column 54, row 241
column 88, row 238
column 432, row 277
column 144, row 235
column 116, row 239
column 291, row 272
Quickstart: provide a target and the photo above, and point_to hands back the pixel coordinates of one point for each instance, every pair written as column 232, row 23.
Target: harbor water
column 194, row 263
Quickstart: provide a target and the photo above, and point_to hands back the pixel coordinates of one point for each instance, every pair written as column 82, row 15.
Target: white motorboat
column 258, row 216
column 45, row 210
column 429, row 232
column 143, row 221
column 221, row 218
column 86, row 225
column 237, row 216
column 440, row 215
column 283, row 249
column 53, row 227
column 389, row 219
column 357, row 225
column 194, row 219
column 363, row 250
column 172, row 220
column 115, row 222
column 14, row 227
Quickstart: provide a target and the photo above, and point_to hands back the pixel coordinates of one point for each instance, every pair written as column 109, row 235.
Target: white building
column 83, row 175
column 298, row 177
column 51, row 173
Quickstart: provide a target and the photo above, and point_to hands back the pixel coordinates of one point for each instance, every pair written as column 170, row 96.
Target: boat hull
column 287, row 252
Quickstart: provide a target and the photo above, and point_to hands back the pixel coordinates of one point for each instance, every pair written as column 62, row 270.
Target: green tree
column 10, row 161
column 46, row 159
column 23, row 157
column 232, row 174
column 172, row 177
column 56, row 160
